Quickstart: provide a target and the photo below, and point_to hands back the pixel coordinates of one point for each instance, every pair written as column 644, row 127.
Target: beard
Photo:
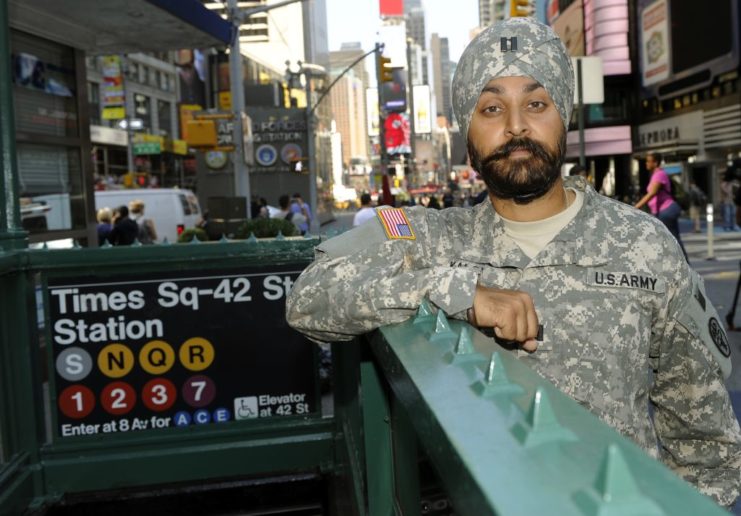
column 522, row 180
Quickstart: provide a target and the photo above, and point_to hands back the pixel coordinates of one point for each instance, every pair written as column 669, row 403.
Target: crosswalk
column 725, row 246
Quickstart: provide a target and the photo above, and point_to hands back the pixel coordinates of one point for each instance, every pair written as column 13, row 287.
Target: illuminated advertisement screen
column 395, row 92
column 397, row 131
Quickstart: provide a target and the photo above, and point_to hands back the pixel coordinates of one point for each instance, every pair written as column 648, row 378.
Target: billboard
column 655, row 43
column 672, row 60
column 394, row 93
column 371, row 110
column 570, row 28
column 391, row 7
column 422, row 109
column 398, row 132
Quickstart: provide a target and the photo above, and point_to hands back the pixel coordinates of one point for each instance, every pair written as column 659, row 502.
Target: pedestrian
column 625, row 321
column 124, row 230
column 104, row 227
column 366, row 211
column 284, row 203
column 298, row 205
column 698, row 201
column 433, row 203
column 728, row 187
column 147, row 234
column 659, row 197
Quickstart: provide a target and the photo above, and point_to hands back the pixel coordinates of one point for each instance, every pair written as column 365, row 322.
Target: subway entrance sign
column 144, row 352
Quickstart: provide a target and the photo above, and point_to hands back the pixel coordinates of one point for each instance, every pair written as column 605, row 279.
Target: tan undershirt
column 532, row 237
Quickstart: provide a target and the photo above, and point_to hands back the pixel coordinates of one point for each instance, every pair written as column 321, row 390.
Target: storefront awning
column 121, row 26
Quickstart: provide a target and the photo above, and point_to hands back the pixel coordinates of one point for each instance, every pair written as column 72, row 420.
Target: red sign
column 391, row 7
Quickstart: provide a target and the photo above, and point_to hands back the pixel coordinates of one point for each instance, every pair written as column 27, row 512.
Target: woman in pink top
column 659, row 198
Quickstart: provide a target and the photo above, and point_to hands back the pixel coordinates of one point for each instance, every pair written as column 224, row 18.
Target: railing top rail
column 277, row 251
column 506, row 441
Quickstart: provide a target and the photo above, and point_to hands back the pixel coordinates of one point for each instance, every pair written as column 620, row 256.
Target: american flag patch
column 396, row 223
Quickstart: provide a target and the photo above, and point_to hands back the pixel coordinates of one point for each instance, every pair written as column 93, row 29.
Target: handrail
column 506, row 441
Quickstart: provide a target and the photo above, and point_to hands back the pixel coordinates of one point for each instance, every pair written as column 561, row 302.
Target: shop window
column 51, row 195
column 50, row 175
column 164, row 116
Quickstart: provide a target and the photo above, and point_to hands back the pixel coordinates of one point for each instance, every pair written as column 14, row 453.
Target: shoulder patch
column 719, row 337
column 700, row 318
column 396, row 223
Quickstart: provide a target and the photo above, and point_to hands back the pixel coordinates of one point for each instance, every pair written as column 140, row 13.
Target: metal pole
column 12, row 235
column 314, row 222
column 412, row 113
column 241, row 172
column 381, row 127
column 128, row 106
column 709, row 218
column 580, row 98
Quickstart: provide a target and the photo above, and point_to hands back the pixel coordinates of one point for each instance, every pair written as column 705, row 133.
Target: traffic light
column 385, row 72
column 519, row 8
column 299, row 165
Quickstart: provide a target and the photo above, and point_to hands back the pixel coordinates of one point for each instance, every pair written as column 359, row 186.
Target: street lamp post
column 241, row 173
column 237, row 16
column 305, row 72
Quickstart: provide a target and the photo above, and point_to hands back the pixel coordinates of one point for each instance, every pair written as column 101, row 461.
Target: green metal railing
column 37, row 465
column 502, row 439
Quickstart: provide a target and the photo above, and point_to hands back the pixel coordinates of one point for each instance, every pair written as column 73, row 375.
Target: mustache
column 515, row 144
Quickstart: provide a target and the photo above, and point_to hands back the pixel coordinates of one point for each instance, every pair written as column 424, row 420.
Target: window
column 93, row 99
column 143, row 110
column 164, row 116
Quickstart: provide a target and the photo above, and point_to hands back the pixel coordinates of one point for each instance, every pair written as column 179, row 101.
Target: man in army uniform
column 625, row 321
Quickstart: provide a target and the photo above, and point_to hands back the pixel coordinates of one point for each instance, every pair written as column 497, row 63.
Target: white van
column 172, row 209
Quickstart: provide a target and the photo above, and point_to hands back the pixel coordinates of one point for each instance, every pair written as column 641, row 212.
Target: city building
column 441, row 76
column 49, row 43
column 156, row 154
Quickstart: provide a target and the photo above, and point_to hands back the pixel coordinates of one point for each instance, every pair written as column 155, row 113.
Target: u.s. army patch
column 604, row 278
column 396, row 223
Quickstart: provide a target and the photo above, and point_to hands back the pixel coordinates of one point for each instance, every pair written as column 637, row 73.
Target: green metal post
column 12, row 235
column 406, row 464
column 378, row 445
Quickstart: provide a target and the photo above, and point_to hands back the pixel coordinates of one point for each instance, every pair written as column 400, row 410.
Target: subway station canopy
column 121, row 26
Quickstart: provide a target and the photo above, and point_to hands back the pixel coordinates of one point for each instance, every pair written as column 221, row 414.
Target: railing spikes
column 464, row 350
column 424, row 312
column 540, row 425
column 496, row 380
column 615, row 490
column 442, row 332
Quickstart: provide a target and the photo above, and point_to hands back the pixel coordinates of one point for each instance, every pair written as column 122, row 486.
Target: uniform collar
column 578, row 243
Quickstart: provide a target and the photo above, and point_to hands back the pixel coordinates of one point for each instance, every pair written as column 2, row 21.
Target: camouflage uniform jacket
column 615, row 296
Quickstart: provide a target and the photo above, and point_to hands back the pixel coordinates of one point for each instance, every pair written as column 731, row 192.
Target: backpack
column 289, row 216
column 680, row 195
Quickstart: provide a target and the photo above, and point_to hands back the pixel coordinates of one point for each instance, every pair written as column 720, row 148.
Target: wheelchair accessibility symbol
column 266, row 155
